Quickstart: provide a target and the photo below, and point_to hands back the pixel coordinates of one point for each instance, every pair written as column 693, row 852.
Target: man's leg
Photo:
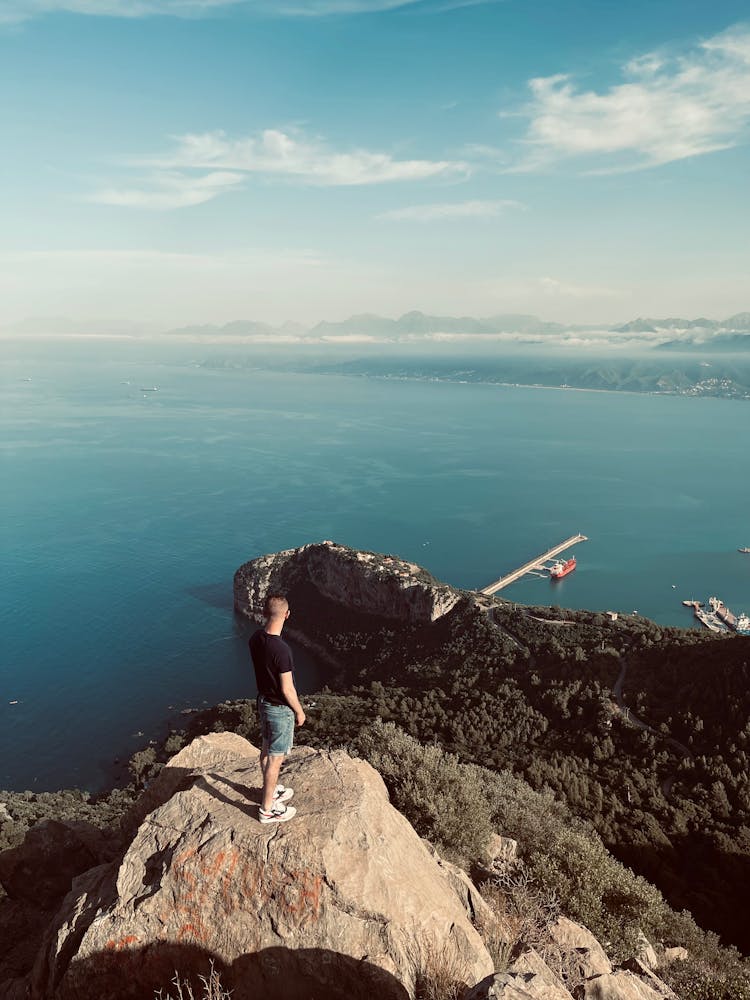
column 270, row 778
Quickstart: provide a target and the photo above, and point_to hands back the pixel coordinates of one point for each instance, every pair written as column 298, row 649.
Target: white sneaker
column 282, row 794
column 278, row 813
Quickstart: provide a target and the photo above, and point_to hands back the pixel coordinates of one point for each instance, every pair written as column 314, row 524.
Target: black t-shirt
column 271, row 658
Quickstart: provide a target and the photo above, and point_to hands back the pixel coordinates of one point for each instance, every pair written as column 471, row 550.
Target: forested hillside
column 533, row 690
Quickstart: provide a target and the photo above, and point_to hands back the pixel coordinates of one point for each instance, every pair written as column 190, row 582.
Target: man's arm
column 290, row 693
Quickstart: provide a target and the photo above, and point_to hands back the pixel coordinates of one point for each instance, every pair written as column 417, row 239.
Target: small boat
column 561, row 569
column 744, row 549
column 149, row 388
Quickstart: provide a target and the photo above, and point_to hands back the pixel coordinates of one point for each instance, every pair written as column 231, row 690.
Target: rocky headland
column 381, row 585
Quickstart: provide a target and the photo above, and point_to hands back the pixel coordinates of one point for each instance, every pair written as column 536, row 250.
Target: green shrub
column 443, row 799
column 696, row 979
column 457, row 806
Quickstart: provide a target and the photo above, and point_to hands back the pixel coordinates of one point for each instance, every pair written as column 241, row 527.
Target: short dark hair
column 276, row 604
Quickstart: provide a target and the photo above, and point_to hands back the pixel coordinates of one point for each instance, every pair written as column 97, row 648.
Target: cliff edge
column 377, row 584
column 340, row 902
column 344, row 902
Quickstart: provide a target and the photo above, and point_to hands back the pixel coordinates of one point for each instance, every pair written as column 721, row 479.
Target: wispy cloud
column 201, row 166
column 669, row 107
column 16, row 11
column 450, row 211
column 169, row 190
column 294, row 155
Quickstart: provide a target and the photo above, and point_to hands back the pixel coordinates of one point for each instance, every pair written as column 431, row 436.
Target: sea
column 136, row 481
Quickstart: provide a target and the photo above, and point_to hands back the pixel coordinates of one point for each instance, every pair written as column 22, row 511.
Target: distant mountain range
column 729, row 334
column 702, row 334
column 740, row 323
column 411, row 324
column 416, row 324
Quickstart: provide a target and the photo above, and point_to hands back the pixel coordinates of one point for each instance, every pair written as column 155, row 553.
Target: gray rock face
column 379, row 585
column 343, row 901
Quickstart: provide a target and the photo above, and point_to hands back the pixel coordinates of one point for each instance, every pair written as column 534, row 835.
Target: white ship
column 721, row 619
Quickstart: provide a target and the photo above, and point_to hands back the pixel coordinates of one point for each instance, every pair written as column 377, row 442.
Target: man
column 278, row 707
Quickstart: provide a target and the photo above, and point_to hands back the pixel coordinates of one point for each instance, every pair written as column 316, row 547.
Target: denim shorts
column 276, row 727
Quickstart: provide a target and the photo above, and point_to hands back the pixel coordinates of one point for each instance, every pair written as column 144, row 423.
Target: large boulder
column 343, row 901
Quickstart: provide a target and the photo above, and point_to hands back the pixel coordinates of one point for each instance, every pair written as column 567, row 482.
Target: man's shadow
column 271, row 973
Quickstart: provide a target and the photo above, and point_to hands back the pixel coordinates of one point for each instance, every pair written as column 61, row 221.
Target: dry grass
column 521, row 916
column 500, row 934
column 440, row 973
column 212, row 988
column 524, row 912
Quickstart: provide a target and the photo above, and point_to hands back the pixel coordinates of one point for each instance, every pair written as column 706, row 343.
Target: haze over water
column 125, row 514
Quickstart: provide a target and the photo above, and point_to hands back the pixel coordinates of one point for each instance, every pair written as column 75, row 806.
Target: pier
column 533, row 564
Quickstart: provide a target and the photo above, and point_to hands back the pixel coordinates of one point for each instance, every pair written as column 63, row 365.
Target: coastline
column 519, row 385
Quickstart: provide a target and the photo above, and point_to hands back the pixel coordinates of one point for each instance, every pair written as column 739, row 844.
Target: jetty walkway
column 537, row 563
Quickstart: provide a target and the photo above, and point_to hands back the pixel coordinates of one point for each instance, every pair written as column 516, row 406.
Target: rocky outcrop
column 623, row 985
column 343, row 901
column 675, row 955
column 646, row 952
column 586, row 957
column 649, row 977
column 376, row 584
column 528, row 978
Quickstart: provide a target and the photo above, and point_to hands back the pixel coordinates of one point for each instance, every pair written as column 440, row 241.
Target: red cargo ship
column 561, row 569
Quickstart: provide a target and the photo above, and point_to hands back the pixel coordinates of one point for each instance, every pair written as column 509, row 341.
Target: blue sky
column 174, row 161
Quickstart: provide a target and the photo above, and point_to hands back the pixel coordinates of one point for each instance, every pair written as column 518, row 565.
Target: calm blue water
column 124, row 515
